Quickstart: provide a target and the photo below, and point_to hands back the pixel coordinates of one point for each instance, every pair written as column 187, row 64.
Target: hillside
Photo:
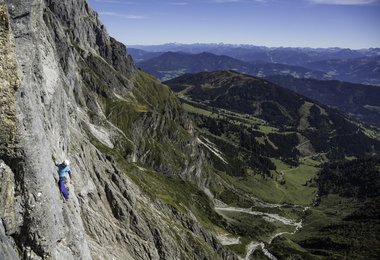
column 361, row 101
column 173, row 64
column 288, row 163
column 327, row 130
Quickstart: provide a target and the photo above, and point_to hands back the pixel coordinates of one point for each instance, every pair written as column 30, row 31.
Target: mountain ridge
column 172, row 64
column 356, row 99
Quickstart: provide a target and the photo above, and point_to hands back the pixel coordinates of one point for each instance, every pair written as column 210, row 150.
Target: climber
column 63, row 168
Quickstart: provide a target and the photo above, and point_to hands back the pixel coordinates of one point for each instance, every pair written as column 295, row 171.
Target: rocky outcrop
column 68, row 90
column 8, row 86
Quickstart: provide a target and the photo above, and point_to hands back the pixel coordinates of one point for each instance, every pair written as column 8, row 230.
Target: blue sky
column 289, row 23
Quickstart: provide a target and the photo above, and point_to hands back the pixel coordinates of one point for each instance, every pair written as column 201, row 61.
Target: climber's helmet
column 66, row 162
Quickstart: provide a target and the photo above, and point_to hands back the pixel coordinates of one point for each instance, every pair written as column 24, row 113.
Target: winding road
column 270, row 217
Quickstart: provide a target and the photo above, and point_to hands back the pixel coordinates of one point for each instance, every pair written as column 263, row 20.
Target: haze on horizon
column 272, row 23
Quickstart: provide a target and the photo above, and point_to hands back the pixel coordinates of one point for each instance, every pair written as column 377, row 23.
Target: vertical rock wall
column 59, row 69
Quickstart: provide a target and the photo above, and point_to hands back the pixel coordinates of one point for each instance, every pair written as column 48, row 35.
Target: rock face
column 68, row 90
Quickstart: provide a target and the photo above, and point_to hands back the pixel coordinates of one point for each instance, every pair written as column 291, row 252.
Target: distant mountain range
column 173, row 64
column 358, row 66
column 252, row 53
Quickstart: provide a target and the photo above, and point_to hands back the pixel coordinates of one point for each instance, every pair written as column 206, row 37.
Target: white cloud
column 125, row 16
column 226, row 1
column 344, row 2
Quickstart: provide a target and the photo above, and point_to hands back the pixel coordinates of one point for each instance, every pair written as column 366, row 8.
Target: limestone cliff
column 68, row 90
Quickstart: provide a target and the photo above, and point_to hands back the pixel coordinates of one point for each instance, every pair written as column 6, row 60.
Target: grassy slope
column 293, row 191
column 325, row 233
